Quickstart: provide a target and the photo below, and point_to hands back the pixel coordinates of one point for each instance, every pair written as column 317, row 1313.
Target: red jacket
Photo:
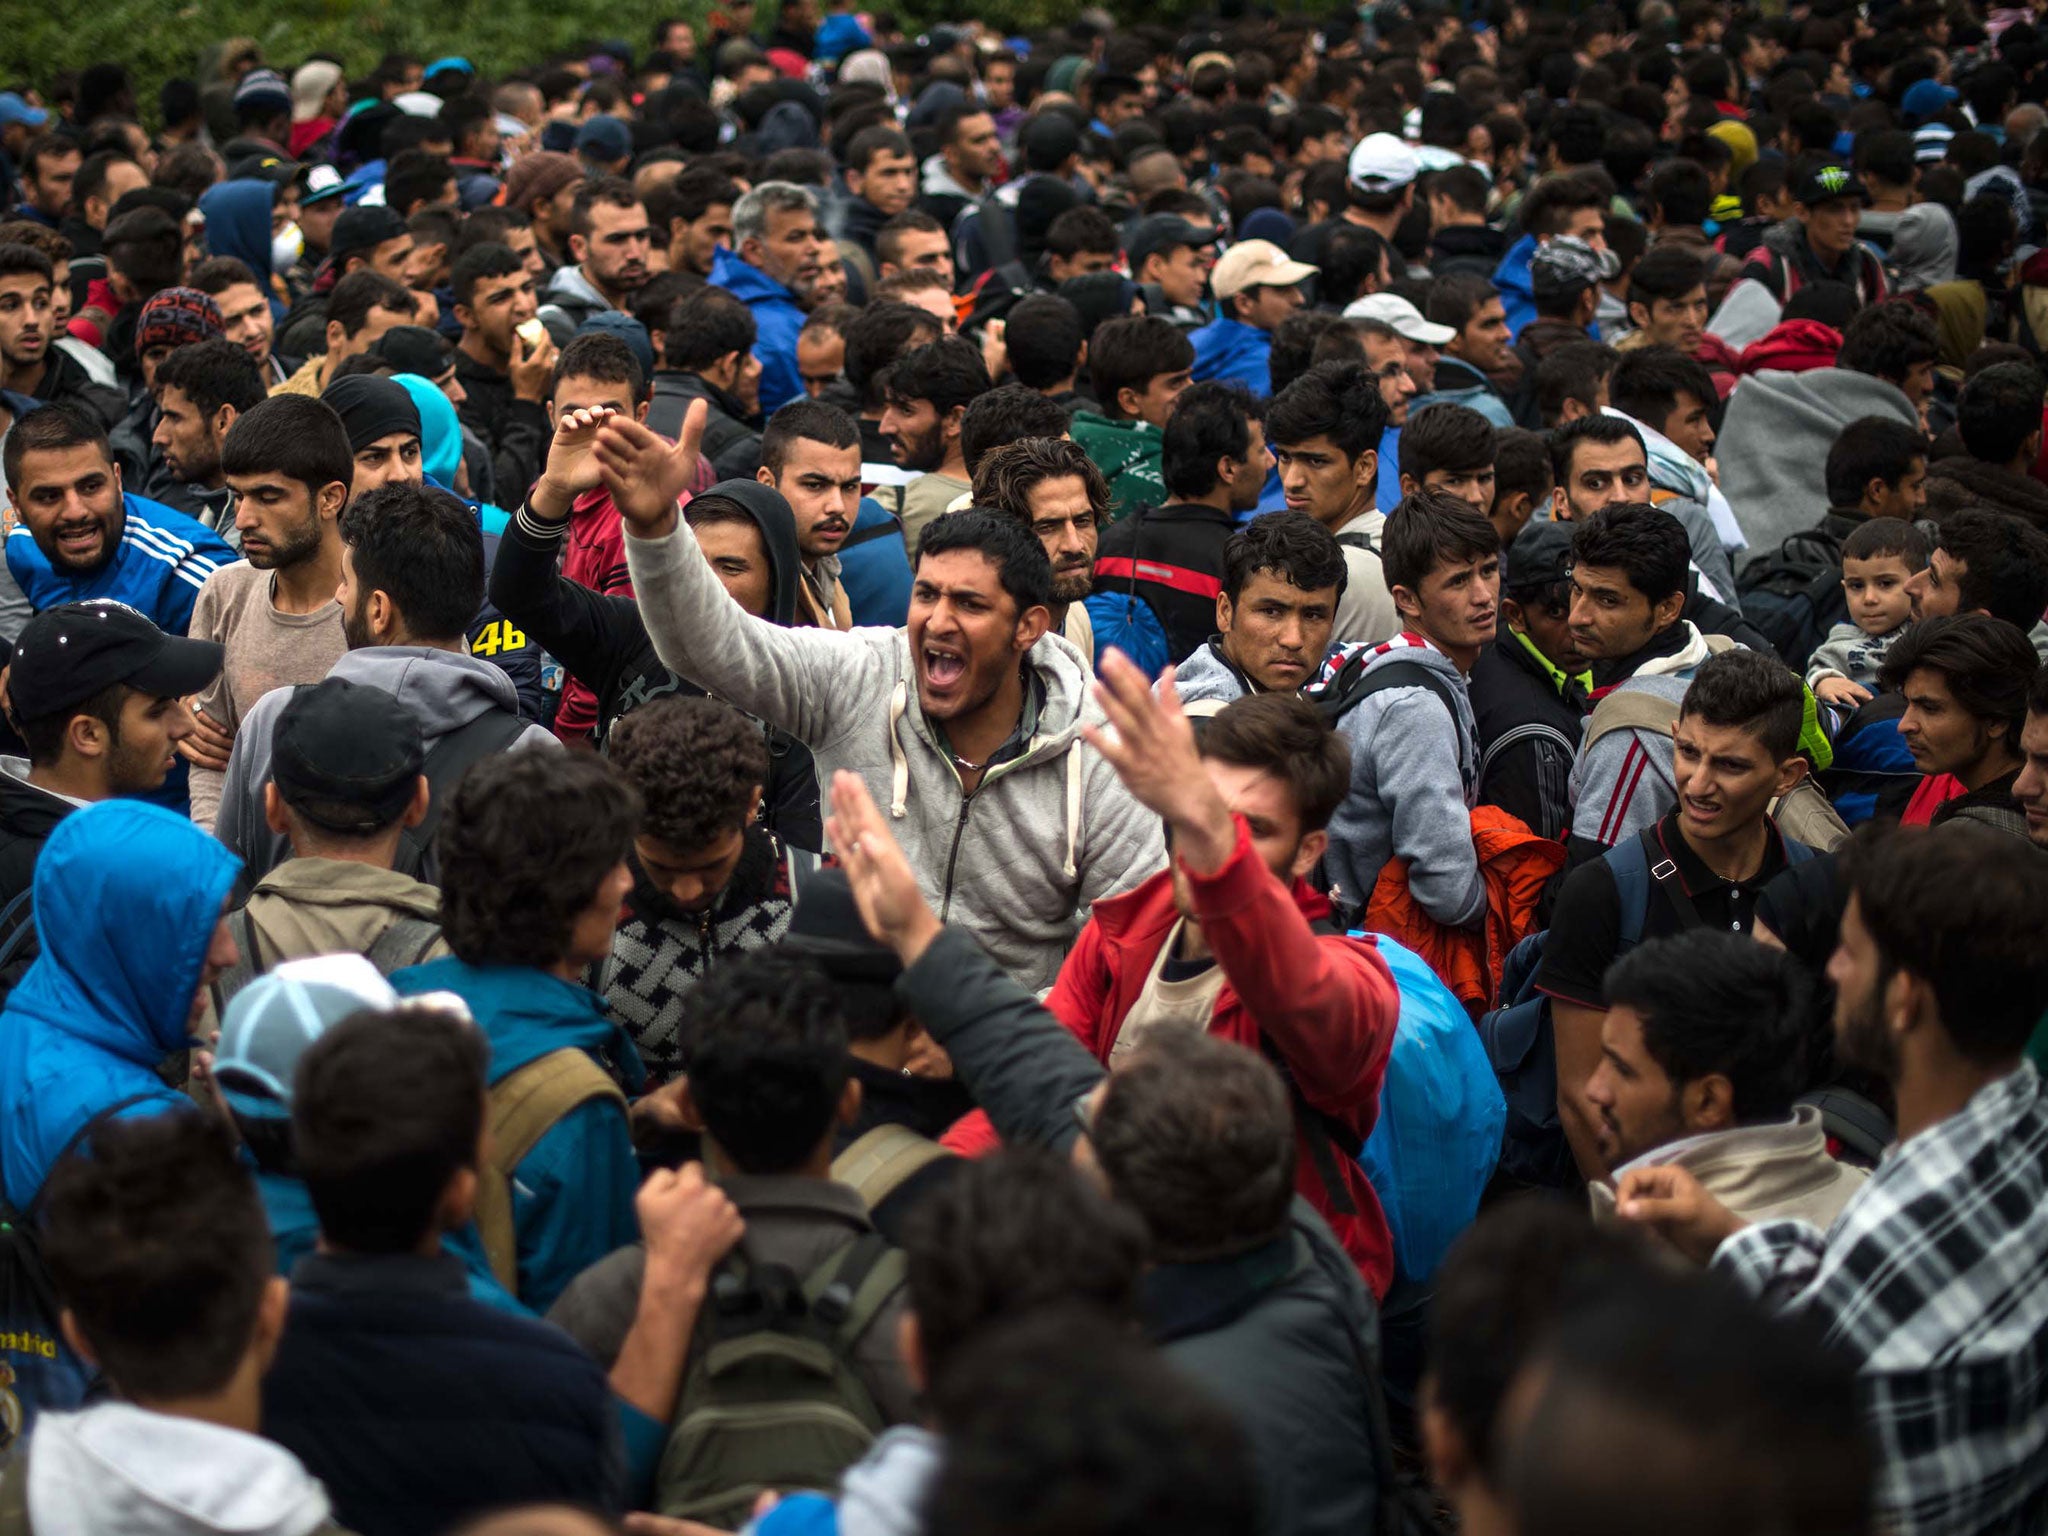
column 1327, row 1003
column 1792, row 346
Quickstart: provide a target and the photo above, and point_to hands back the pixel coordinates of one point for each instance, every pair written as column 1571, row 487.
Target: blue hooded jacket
column 127, row 897
column 572, row 1195
column 441, row 446
column 777, row 319
column 238, row 225
column 1230, row 349
column 164, row 559
column 1517, row 287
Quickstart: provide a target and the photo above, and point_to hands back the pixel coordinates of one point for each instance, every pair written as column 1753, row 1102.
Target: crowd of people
column 1283, row 775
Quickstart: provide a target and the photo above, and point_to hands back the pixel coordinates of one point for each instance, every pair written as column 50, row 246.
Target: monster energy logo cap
column 1826, row 183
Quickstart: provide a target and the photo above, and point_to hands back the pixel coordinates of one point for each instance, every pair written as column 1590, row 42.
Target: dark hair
column 1341, row 401
column 1428, row 529
column 1521, row 462
column 490, row 259
column 218, row 274
column 50, row 429
column 415, row 177
column 1464, row 186
column 1081, row 229
column 1291, row 545
column 527, row 841
column 1044, row 338
column 704, row 327
column 1719, row 1003
column 802, row 420
column 1210, row 421
column 298, row 436
column 1871, row 448
column 882, row 332
column 1281, row 734
column 2005, row 562
column 1959, row 906
column 696, row 763
column 360, row 292
column 1886, row 155
column 1352, row 254
column 44, row 735
column 608, row 191
column 1648, row 381
column 17, row 259
column 870, row 142
column 1607, row 431
column 1667, row 272
column 1573, row 372
column 1646, row 545
column 1006, row 415
column 159, row 1248
column 1752, row 692
column 1022, row 568
column 689, row 195
column 422, row 547
column 1129, row 354
column 1068, row 1424
column 1010, row 1235
column 1456, row 297
column 212, row 374
column 1879, row 536
column 1010, row 472
column 889, row 238
column 1987, row 663
column 1197, row 1136
column 1681, row 193
column 375, row 1146
column 1998, row 410
column 1548, row 208
column 147, row 246
column 948, row 372
column 766, row 1046
column 605, row 358
column 1293, row 351
column 1889, row 340
column 91, row 180
column 1445, row 436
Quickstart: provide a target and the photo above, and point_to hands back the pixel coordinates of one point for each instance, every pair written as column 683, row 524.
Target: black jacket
column 1284, row 1335
column 418, row 1407
column 65, row 382
column 1473, row 248
column 1174, row 558
column 516, row 431
column 730, row 443
column 1528, row 735
column 27, row 818
column 603, row 643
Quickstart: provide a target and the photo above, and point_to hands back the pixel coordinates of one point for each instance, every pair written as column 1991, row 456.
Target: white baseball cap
column 1405, row 318
column 1380, row 162
column 1256, row 264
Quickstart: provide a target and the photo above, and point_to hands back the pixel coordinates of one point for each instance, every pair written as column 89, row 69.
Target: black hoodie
column 603, row 643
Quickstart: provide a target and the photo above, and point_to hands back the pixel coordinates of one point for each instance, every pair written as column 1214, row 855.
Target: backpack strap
column 1629, row 709
column 1324, row 1133
column 1629, row 862
column 453, row 755
column 1364, row 541
column 1353, row 685
column 851, row 1286
column 17, row 920
column 14, row 1495
column 77, row 1137
column 525, row 1105
column 881, row 1161
column 406, row 942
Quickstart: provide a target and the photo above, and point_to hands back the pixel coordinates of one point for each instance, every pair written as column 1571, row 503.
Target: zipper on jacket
column 953, row 857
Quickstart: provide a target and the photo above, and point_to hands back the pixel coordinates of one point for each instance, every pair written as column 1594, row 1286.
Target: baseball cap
column 262, row 89
column 604, row 138
column 1828, row 182
column 1568, row 265
column 270, row 1024
column 346, row 756
column 1924, row 98
column 65, row 655
column 1380, row 162
column 415, row 349
column 14, row 109
column 321, row 182
column 826, row 928
column 1539, row 557
column 1048, row 141
column 1405, row 318
column 1256, row 264
column 363, row 228
column 616, row 322
column 417, row 103
column 1161, row 232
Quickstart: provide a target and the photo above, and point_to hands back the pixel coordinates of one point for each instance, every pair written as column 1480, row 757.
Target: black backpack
column 448, row 760
column 1794, row 596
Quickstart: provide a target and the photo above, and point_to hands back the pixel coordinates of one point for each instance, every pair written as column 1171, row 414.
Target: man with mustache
column 811, row 454
column 1052, row 487
column 609, row 241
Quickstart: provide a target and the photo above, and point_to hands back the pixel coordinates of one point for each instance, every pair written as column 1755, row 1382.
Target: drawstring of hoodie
column 1069, row 868
column 899, row 765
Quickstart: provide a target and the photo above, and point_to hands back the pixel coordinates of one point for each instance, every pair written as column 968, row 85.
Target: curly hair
column 696, row 763
column 527, row 841
column 1005, row 479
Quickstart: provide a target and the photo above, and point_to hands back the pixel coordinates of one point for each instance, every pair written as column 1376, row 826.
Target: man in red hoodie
column 1231, row 938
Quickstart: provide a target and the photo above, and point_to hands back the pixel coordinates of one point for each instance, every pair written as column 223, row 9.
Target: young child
column 1877, row 561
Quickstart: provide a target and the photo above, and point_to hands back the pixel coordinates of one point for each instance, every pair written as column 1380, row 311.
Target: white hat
column 1382, row 163
column 1256, row 264
column 418, row 104
column 1405, row 318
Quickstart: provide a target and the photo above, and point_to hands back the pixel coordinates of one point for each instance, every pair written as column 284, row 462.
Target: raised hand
column 1670, row 1201
column 571, row 468
column 646, row 473
column 687, row 1221
column 885, row 890
column 1150, row 742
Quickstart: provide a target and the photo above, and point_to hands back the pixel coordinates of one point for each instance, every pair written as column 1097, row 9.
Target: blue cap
column 605, row 138
column 614, row 322
column 451, row 62
column 1924, row 98
column 14, row 108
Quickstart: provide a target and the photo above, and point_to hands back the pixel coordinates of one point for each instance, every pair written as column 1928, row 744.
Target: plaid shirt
column 1936, row 1276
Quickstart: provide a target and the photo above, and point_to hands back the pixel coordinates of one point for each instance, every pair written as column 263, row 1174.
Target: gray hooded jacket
column 445, row 689
column 1773, row 448
column 1020, row 861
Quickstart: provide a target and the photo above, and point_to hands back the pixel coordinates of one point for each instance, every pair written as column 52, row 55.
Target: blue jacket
column 1388, row 494
column 874, row 567
column 164, row 559
column 777, row 319
column 572, row 1195
column 1459, row 383
column 238, row 225
column 127, row 896
column 1517, row 288
column 1230, row 349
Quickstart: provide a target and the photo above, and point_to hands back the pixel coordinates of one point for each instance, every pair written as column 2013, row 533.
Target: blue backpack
column 1518, row 1036
column 1438, row 1136
column 1125, row 620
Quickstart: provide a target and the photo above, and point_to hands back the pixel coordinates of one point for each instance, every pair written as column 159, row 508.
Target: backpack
column 881, row 1161
column 1793, row 596
column 1125, row 620
column 19, row 944
column 525, row 1105
column 1349, row 686
column 453, row 755
column 1518, row 1035
column 406, row 942
column 771, row 1401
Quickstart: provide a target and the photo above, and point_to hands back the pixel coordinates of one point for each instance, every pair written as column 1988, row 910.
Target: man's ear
column 1224, row 611
column 1032, row 623
column 1666, row 613
column 1365, row 470
column 458, row 1199
column 849, row 1102
column 1407, row 604
column 1450, row 1462
column 67, row 1324
column 1790, row 772
column 273, row 809
column 1708, row 1103
column 270, row 1314
column 910, row 1348
column 416, row 811
column 1560, row 506
column 640, row 410
column 1639, row 315
column 949, row 424
column 764, row 475
column 87, row 736
column 1307, row 853
column 465, row 317
column 686, row 1107
column 335, row 335
column 1127, row 403
column 223, row 419
column 579, row 249
column 1408, row 484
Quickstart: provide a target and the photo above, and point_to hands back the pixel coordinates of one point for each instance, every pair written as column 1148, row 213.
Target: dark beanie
column 371, row 407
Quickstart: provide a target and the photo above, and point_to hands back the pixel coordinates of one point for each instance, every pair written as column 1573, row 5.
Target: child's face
column 1876, row 590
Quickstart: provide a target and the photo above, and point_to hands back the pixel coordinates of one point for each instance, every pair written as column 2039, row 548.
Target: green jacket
column 1127, row 453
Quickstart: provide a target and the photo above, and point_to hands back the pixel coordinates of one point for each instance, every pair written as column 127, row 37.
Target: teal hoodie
column 572, row 1195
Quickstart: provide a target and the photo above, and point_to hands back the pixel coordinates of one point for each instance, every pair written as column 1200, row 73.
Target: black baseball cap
column 363, row 229
column 825, row 928
column 346, row 756
column 1826, row 182
column 1540, row 557
column 65, row 655
column 1160, row 232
